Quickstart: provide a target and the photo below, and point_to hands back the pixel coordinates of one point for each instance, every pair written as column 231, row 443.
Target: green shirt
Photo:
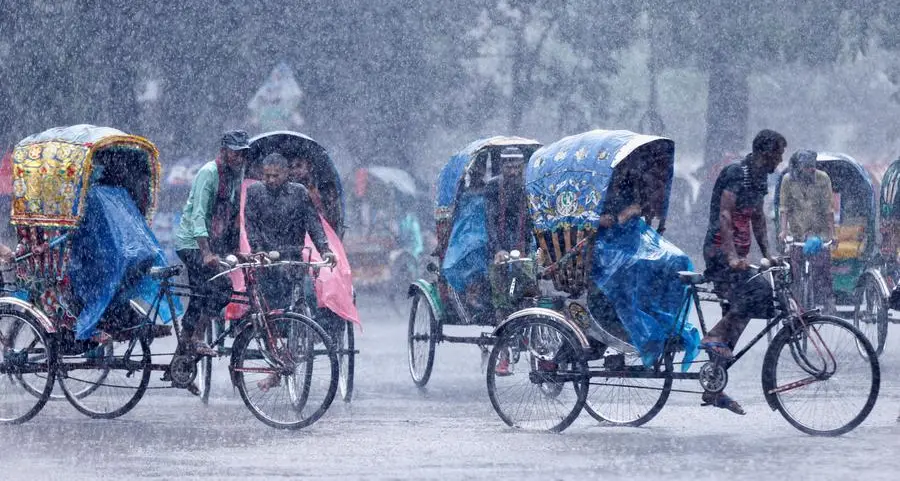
column 807, row 207
column 197, row 213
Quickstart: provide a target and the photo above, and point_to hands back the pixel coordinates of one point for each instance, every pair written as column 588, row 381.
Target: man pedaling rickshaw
column 807, row 215
column 735, row 209
column 509, row 227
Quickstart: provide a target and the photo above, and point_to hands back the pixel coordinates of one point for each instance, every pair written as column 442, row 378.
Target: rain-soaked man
column 736, row 209
column 278, row 214
column 509, row 227
column 208, row 229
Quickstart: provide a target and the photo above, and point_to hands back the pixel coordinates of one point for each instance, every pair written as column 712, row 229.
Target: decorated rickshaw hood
column 459, row 163
column 567, row 181
column 52, row 172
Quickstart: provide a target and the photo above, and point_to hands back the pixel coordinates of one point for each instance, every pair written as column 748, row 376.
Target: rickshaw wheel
column 101, row 383
column 870, row 314
column 288, row 380
column 625, row 401
column 813, row 374
column 27, row 366
column 422, row 339
column 345, row 346
column 546, row 384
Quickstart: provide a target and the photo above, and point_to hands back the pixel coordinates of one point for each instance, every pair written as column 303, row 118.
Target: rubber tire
column 240, row 345
column 346, row 347
column 665, row 391
column 146, row 361
column 44, row 396
column 581, row 362
column 882, row 321
column 770, row 364
column 420, row 298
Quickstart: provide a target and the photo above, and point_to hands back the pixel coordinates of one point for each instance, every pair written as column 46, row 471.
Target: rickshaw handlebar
column 264, row 260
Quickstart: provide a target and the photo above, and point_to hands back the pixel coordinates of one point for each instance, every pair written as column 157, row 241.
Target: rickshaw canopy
column 460, row 162
column 567, row 181
column 52, row 172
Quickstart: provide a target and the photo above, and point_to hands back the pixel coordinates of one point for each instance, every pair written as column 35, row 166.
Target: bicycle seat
column 692, row 278
column 164, row 272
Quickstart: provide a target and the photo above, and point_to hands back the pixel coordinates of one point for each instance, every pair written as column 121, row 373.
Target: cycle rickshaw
column 93, row 292
column 617, row 358
column 386, row 245
column 855, row 229
column 872, row 313
column 435, row 303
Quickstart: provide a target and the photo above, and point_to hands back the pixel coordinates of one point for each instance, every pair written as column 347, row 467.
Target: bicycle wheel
column 815, row 376
column 422, row 338
column 547, row 381
column 346, row 347
column 624, row 400
column 870, row 314
column 204, row 366
column 287, row 374
column 109, row 380
column 27, row 358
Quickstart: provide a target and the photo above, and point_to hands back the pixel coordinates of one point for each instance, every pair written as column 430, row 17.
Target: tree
column 729, row 41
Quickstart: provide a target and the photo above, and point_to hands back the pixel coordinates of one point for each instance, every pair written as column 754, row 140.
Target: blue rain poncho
column 110, row 254
column 467, row 254
column 637, row 270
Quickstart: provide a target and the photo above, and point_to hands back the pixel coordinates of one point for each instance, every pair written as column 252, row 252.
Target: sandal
column 718, row 351
column 722, row 401
column 201, row 348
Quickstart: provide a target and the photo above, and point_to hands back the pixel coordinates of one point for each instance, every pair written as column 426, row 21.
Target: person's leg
column 215, row 296
column 191, row 260
column 820, row 264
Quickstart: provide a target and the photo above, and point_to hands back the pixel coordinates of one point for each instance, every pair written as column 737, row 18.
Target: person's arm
column 829, row 209
column 785, row 209
column 253, row 222
column 760, row 230
column 313, row 225
column 727, row 207
column 202, row 191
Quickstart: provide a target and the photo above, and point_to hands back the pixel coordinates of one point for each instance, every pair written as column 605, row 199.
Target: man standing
column 209, row 229
column 278, row 214
column 806, row 212
column 736, row 208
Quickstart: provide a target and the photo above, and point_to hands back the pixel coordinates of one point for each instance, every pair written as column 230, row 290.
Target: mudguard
column 431, row 294
column 541, row 312
column 30, row 310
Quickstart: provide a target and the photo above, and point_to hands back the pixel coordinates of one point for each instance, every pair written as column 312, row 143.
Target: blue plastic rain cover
column 637, row 270
column 111, row 251
column 467, row 252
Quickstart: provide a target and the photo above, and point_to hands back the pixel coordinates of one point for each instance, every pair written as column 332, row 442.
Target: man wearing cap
column 806, row 212
column 208, row 229
column 509, row 228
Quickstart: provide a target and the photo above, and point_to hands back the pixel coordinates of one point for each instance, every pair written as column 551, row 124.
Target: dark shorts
column 212, row 297
column 749, row 299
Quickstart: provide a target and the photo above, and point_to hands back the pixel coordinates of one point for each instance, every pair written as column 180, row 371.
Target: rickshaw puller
column 807, row 211
column 209, row 228
column 278, row 216
column 736, row 205
column 509, row 227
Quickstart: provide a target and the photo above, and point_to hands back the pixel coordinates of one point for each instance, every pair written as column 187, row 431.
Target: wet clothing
column 750, row 191
column 211, row 297
column 212, row 196
column 746, row 298
column 279, row 220
column 509, row 224
column 807, row 206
